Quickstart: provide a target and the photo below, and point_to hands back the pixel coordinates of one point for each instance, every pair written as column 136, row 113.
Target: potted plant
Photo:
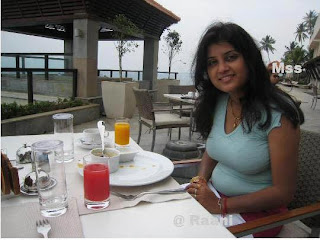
column 117, row 95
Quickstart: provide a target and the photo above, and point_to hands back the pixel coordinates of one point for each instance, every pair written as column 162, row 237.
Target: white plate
column 146, row 168
column 85, row 145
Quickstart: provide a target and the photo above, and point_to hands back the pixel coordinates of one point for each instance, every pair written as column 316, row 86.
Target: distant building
column 315, row 39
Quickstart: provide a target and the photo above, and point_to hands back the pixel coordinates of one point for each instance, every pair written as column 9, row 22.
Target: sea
column 58, row 62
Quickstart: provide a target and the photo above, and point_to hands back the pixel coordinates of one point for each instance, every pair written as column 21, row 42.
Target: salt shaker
column 23, row 154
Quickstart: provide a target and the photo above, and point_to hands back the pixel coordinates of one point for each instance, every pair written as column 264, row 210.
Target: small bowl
column 113, row 158
column 127, row 153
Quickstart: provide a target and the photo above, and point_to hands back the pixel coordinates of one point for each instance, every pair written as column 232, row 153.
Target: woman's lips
column 226, row 78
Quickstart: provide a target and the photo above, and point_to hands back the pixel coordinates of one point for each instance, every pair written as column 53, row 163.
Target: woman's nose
column 223, row 67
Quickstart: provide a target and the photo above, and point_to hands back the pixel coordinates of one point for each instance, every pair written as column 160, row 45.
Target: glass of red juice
column 96, row 182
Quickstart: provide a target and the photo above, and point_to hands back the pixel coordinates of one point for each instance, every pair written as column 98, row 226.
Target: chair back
column 308, row 182
column 182, row 89
column 314, row 90
column 144, row 103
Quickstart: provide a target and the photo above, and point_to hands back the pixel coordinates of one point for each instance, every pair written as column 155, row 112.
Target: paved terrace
column 312, row 123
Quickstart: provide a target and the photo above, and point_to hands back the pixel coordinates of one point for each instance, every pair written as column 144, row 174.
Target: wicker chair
column 181, row 89
column 306, row 203
column 315, row 96
column 151, row 117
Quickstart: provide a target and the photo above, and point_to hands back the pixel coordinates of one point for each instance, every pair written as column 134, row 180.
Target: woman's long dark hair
column 260, row 94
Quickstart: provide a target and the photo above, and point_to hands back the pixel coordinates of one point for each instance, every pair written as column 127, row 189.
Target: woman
column 251, row 127
column 274, row 77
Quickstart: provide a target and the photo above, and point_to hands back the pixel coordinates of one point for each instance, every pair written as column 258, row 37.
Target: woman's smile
column 226, row 78
column 226, row 68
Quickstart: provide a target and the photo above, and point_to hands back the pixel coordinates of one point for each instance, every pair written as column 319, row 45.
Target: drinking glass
column 122, row 132
column 48, row 157
column 63, row 130
column 96, row 182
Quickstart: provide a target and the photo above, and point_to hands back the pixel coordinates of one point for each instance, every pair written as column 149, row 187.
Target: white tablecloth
column 180, row 218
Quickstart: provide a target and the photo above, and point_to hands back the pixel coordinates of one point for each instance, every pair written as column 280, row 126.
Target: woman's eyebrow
column 226, row 53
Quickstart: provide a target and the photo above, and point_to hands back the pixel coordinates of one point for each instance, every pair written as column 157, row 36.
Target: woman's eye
column 231, row 58
column 211, row 62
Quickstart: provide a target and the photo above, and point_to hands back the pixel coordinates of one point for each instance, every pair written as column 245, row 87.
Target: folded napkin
column 119, row 203
column 20, row 222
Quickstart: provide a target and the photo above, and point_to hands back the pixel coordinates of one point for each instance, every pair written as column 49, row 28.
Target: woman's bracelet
column 197, row 179
column 225, row 208
column 220, row 206
column 222, row 203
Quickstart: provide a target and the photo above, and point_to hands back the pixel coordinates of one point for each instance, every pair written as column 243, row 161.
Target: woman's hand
column 202, row 193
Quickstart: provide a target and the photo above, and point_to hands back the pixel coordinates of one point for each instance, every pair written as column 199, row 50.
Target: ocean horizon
column 10, row 62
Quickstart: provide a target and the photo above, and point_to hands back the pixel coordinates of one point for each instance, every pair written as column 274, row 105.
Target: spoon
column 102, row 128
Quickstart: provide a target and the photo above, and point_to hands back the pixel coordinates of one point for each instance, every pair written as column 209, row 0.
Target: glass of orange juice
column 122, row 132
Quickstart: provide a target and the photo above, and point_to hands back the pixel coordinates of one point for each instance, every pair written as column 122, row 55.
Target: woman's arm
column 206, row 166
column 283, row 147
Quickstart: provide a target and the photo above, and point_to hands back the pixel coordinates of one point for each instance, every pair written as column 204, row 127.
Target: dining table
column 181, row 218
column 182, row 98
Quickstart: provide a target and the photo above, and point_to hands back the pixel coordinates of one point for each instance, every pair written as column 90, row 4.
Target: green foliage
column 298, row 54
column 11, row 110
column 301, row 33
column 173, row 45
column 309, row 21
column 266, row 44
column 125, row 28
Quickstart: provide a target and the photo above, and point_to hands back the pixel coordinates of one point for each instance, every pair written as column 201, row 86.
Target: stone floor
column 312, row 123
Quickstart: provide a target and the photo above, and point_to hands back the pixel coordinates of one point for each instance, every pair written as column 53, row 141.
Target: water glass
column 96, row 182
column 63, row 130
column 122, row 132
column 48, row 157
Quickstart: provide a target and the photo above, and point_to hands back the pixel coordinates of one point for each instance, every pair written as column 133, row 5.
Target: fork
column 43, row 227
column 133, row 197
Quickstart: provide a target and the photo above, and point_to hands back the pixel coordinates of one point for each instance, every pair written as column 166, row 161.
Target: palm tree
column 298, row 56
column 266, row 45
column 292, row 46
column 301, row 33
column 309, row 21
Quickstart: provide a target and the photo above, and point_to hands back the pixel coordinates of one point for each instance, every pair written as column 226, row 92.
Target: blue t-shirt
column 243, row 158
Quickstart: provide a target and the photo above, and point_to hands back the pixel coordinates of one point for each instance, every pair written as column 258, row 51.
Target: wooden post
column 30, row 87
column 17, row 66
column 46, row 66
column 74, row 83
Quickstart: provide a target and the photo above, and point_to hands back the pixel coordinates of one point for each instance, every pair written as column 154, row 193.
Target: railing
column 44, row 56
column 20, row 67
column 66, row 57
column 137, row 72
column 30, row 72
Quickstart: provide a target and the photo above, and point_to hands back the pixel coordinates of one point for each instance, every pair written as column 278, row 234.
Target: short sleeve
column 275, row 121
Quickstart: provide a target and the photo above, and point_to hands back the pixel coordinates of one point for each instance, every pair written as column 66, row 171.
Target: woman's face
column 226, row 68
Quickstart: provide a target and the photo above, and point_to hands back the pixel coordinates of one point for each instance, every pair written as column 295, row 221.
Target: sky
column 277, row 18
